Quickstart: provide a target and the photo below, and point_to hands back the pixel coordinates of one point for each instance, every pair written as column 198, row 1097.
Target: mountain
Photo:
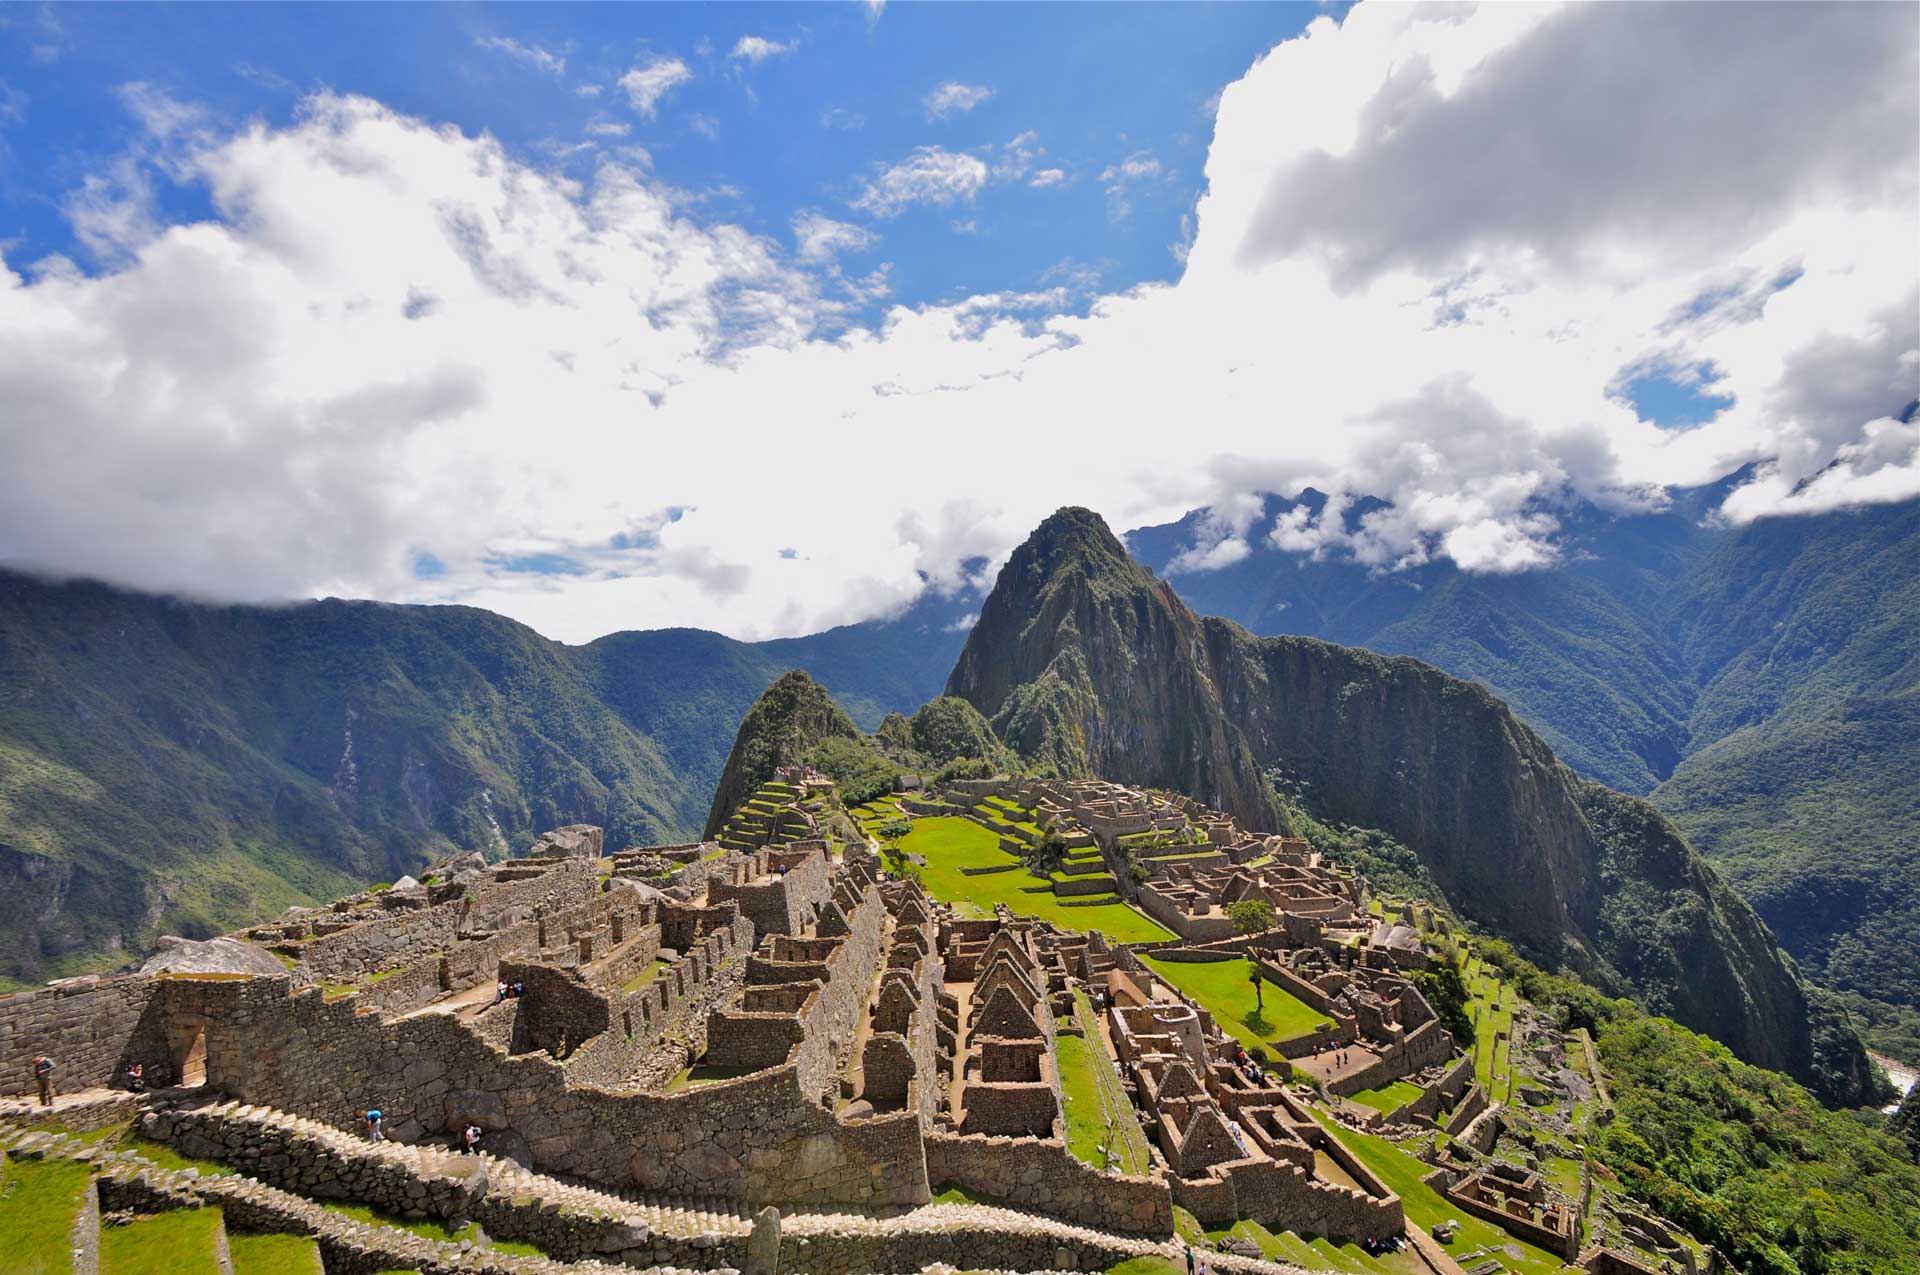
column 170, row 766
column 1760, row 684
column 1088, row 664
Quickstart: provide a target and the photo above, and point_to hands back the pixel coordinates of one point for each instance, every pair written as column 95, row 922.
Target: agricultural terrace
column 1223, row 989
column 950, row 845
column 1402, row 1170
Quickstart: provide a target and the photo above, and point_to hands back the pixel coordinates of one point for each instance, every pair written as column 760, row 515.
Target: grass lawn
column 165, row 1244
column 167, row 1158
column 1402, row 1171
column 1091, row 1096
column 1221, row 987
column 1320, row 1253
column 38, row 1201
column 1148, row 1266
column 265, row 1254
column 1387, row 1098
column 950, row 843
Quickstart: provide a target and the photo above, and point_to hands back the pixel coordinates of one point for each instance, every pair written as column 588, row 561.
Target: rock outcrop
column 175, row 955
column 1088, row 665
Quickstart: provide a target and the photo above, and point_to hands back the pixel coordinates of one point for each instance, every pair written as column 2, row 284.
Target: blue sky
column 768, row 318
column 751, row 142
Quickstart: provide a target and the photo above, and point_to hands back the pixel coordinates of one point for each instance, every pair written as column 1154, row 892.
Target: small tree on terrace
column 1250, row 916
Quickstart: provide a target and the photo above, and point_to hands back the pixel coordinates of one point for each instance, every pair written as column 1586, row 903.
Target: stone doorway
column 190, row 1063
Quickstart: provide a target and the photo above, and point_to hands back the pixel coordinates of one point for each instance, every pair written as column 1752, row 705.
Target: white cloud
column 646, row 85
column 1136, row 167
column 874, row 9
column 931, row 175
column 953, row 98
column 819, row 238
column 754, row 49
column 1048, row 177
column 608, row 128
column 705, row 125
column 532, row 54
column 389, row 339
column 841, row 118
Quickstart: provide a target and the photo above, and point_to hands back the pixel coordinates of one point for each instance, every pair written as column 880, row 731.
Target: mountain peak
column 1073, row 536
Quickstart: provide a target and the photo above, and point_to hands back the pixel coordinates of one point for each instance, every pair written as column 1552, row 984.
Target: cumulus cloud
column 953, row 98
column 1048, row 177
column 532, row 54
column 389, row 340
column 646, row 85
column 931, row 175
column 754, row 49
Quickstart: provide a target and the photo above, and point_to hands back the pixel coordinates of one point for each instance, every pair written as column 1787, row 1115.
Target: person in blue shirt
column 372, row 1118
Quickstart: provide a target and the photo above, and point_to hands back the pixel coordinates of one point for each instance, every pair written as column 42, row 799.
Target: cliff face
column 1087, row 664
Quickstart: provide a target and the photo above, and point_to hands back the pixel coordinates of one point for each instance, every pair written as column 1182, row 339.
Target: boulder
column 175, row 955
column 644, row 892
column 574, row 841
column 404, row 884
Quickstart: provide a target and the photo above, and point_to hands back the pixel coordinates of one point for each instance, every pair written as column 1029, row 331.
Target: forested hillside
column 169, row 766
column 1761, row 685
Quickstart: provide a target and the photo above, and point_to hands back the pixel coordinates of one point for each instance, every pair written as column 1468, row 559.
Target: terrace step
column 257, row 1253
column 43, row 1214
column 178, row 1242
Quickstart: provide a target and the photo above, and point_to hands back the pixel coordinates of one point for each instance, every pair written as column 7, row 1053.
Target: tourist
column 43, row 1075
column 519, row 989
column 500, row 993
column 1189, row 1259
column 473, row 1138
column 136, row 1079
column 372, row 1118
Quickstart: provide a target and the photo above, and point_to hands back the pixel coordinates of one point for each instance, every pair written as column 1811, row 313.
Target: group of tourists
column 370, row 1122
column 508, row 991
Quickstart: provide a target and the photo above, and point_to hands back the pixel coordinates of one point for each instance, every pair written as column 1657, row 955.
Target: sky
column 769, row 318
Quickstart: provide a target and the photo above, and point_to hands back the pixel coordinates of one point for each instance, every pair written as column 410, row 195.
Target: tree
column 1251, row 916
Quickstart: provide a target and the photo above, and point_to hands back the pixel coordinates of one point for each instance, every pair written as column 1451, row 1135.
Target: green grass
column 1401, row 1171
column 39, row 1200
column 167, row 1158
column 166, row 1244
column 695, row 1076
column 1148, row 1266
column 1319, row 1253
column 1091, row 1097
column 268, row 1254
column 950, row 843
column 1221, row 987
column 644, row 977
column 424, row 1229
column 1389, row 1097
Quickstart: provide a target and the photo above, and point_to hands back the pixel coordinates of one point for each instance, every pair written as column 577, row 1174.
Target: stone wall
column 783, row 904
column 759, row 1138
column 1041, row 1174
column 91, row 1028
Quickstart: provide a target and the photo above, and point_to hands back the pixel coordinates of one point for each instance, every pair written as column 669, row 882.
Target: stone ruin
column 765, row 1019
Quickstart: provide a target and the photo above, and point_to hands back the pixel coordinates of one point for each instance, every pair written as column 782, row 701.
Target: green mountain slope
column 172, row 766
column 1760, row 684
column 1088, row 665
